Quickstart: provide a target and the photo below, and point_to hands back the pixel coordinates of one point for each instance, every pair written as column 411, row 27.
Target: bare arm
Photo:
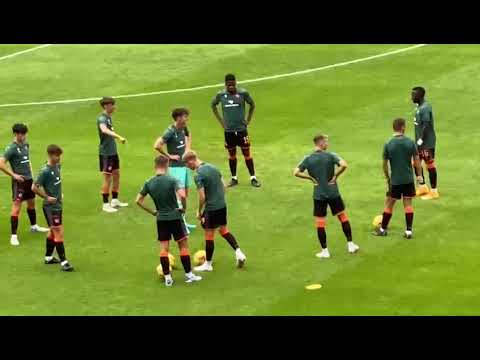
column 4, row 168
column 385, row 170
column 217, row 115
column 341, row 168
column 40, row 191
column 159, row 147
column 189, row 142
column 201, row 202
column 141, row 202
column 300, row 174
column 250, row 112
column 418, row 168
column 107, row 131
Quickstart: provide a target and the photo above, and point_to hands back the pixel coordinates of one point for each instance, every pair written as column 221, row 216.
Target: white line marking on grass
column 301, row 72
column 24, row 51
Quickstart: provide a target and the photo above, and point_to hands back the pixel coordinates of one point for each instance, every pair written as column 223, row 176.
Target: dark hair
column 161, row 161
column 19, row 129
column 54, row 150
column 179, row 112
column 107, row 100
column 398, row 124
column 319, row 137
column 229, row 77
column 420, row 90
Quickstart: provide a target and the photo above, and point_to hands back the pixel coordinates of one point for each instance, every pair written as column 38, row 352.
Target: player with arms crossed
column 233, row 101
column 48, row 186
column 425, row 138
column 399, row 151
column 178, row 140
column 18, row 155
column 164, row 192
column 321, row 171
column 109, row 160
column 212, row 208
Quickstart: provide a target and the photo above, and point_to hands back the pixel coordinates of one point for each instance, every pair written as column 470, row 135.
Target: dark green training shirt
column 209, row 178
column 163, row 191
column 108, row 146
column 50, row 180
column 399, row 152
column 18, row 155
column 233, row 108
column 321, row 166
column 176, row 143
column 424, row 119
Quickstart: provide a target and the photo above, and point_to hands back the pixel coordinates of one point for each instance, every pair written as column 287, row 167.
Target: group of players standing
column 169, row 186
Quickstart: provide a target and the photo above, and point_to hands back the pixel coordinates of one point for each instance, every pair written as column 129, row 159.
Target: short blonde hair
column 189, row 155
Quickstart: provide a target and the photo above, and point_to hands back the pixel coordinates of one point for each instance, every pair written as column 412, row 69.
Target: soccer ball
column 199, row 257
column 160, row 270
column 377, row 221
column 171, row 259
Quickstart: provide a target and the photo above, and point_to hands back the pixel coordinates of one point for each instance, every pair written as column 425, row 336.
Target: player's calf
column 347, row 230
column 239, row 255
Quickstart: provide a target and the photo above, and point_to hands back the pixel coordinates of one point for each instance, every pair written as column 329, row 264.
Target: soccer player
column 233, row 101
column 320, row 165
column 109, row 160
column 425, row 138
column 48, row 186
column 212, row 208
column 178, row 140
column 164, row 191
column 399, row 152
column 18, row 155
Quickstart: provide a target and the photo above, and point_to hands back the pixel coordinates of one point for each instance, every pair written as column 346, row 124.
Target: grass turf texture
column 115, row 255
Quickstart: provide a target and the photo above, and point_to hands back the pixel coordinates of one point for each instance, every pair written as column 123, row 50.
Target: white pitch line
column 301, row 72
column 24, row 51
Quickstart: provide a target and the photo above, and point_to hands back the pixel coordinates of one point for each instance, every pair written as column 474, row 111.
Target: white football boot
column 191, row 277
column 14, row 240
column 352, row 247
column 115, row 203
column 324, row 254
column 108, row 208
column 206, row 266
column 36, row 228
column 241, row 258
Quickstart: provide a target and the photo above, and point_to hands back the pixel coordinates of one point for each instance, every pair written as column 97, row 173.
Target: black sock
column 209, row 247
column 385, row 220
column 105, row 198
column 187, row 266
column 50, row 247
column 251, row 168
column 322, row 237
column 32, row 215
column 165, row 262
column 14, row 224
column 233, row 166
column 409, row 220
column 231, row 240
column 60, row 251
column 114, row 195
column 432, row 174
column 347, row 230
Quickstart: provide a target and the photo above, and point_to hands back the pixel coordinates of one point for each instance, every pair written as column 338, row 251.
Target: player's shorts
column 53, row 217
column 183, row 175
column 214, row 219
column 171, row 228
column 109, row 163
column 320, row 206
column 426, row 154
column 405, row 190
column 237, row 138
column 22, row 191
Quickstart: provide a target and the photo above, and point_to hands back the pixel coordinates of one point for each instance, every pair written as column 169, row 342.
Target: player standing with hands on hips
column 233, row 101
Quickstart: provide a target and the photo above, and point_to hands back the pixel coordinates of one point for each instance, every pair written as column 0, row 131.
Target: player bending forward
column 212, row 208
column 399, row 152
column 164, row 191
column 18, row 155
column 48, row 185
column 321, row 171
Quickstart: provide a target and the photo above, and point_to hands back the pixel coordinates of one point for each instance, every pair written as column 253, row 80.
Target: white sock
column 64, row 262
column 189, row 274
column 48, row 258
column 208, row 263
column 382, row 229
column 234, row 177
column 253, row 177
column 408, row 232
column 14, row 236
column 434, row 190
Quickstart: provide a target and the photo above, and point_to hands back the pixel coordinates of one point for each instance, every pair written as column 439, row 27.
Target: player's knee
column 342, row 217
column 431, row 164
column 388, row 210
column 223, row 230
column 409, row 209
column 184, row 252
column 320, row 222
column 232, row 154
column 163, row 253
column 209, row 235
column 246, row 153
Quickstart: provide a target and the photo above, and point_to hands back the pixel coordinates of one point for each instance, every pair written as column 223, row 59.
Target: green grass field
column 115, row 255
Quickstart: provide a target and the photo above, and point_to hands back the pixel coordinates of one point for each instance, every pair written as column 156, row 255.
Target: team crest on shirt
column 230, row 101
column 225, row 95
column 25, row 157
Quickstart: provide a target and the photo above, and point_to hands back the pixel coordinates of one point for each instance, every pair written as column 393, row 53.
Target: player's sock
column 32, row 215
column 114, row 195
column 185, row 258
column 432, row 174
column 61, row 251
column 387, row 215
column 105, row 198
column 230, row 238
column 250, row 167
column 320, row 224
column 50, row 247
column 209, row 248
column 347, row 229
column 165, row 262
column 409, row 217
column 233, row 167
column 14, row 224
